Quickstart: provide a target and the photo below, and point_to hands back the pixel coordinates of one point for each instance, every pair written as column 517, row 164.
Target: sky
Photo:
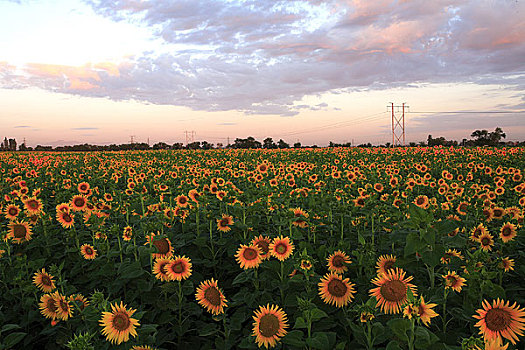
column 309, row 71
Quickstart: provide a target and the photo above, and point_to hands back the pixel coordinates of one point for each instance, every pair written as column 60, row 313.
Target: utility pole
column 398, row 124
column 132, row 139
column 189, row 136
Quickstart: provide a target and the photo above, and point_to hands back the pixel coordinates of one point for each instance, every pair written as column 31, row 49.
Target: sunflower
column 500, row 320
column 127, row 233
column 78, row 202
column 182, row 201
column 454, row 281
column 48, row 307
column 264, row 246
column 385, row 263
column 335, row 290
column 19, row 231
column 224, row 223
column 281, row 248
column 163, row 246
column 421, row 201
column 142, row 347
column 159, row 269
column 462, row 208
column 248, row 256
column 507, row 232
column 33, row 206
column 366, row 317
column 11, row 211
column 359, row 201
column 63, row 308
column 477, row 232
column 306, row 264
column 392, row 291
column 83, row 187
column 194, row 195
column 269, row 326
column 493, row 345
column 118, row 324
column 179, row 268
column 88, row 251
column 81, row 301
column 44, row 281
column 65, row 218
column 486, row 241
column 506, row 264
column 449, row 254
column 209, row 296
column 337, row 262
column 425, row 312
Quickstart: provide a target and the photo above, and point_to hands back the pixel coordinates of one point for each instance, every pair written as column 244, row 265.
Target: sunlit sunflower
column 80, row 300
column 88, row 252
column 159, row 269
column 338, row 261
column 486, row 241
column 263, row 243
column 385, row 263
column 179, row 268
column 421, row 201
column 11, row 211
column 118, row 324
column 83, row 187
column 477, row 232
column 391, row 293
column 300, row 216
column 493, row 345
column 281, row 248
column 78, row 202
column 454, row 281
column 500, row 320
column 210, row 297
column 65, row 218
column 44, row 281
column 425, row 312
column 194, row 195
column 335, row 290
column 359, row 201
column 19, row 231
column 162, row 245
column 182, row 201
column 127, row 234
column 506, row 264
column 248, row 257
column 462, row 208
column 507, row 232
column 269, row 326
column 63, row 308
column 48, row 307
column 33, row 206
column 224, row 223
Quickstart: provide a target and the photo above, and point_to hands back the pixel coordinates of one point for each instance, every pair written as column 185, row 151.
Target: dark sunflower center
column 249, row 254
column 32, row 204
column 46, row 281
column 497, row 319
column 420, row 201
column 269, row 325
column 213, row 296
column 389, row 264
column 281, row 248
column 178, row 267
column 506, row 231
column 79, row 202
column 421, row 310
column 451, row 280
column 66, row 217
column 121, row 322
column 51, row 305
column 337, row 288
column 89, row 251
column 360, row 201
column 182, row 200
column 485, row 241
column 13, row 211
column 463, row 207
column 477, row 232
column 264, row 246
column 498, row 213
column 162, row 245
column 338, row 261
column 64, row 306
column 224, row 222
column 20, row 231
column 393, row 291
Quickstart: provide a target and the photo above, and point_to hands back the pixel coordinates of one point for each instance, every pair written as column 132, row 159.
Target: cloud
column 226, row 123
column 21, row 126
column 264, row 56
column 85, row 128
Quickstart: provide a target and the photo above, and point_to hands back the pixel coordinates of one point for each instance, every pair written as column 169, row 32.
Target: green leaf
column 413, row 244
column 317, row 314
column 13, row 339
column 361, row 239
column 319, row 340
column 295, row 339
column 393, row 345
column 240, row 278
column 300, row 323
column 9, row 326
column 400, row 327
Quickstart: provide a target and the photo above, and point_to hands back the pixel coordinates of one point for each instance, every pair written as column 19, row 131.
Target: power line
column 468, row 112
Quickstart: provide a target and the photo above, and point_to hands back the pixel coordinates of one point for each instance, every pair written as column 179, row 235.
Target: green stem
column 445, row 294
column 369, row 342
column 412, row 335
column 180, row 311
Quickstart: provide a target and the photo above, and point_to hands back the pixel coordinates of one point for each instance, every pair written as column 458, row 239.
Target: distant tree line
column 480, row 138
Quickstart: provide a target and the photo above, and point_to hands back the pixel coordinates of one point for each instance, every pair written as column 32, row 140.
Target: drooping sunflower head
column 506, row 264
column 425, row 311
column 281, row 248
column 269, row 326
column 162, row 245
column 118, row 324
column 391, row 292
column 248, row 257
column 454, row 281
column 80, row 300
column 223, row 224
column 385, row 263
column 338, row 261
column 44, row 281
column 500, row 320
column 335, row 290
column 263, row 243
column 210, row 297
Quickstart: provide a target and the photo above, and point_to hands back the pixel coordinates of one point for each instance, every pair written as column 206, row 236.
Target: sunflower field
column 354, row 248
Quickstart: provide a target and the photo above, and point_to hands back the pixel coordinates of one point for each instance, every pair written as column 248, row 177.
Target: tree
column 194, row 145
column 177, row 145
column 282, row 144
column 268, row 143
column 161, row 145
column 206, row 145
column 249, row 142
column 12, row 145
column 484, row 138
column 297, row 145
column 496, row 136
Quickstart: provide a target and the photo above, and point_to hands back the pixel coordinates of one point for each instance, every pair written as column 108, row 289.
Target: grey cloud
column 85, row 128
column 21, row 126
